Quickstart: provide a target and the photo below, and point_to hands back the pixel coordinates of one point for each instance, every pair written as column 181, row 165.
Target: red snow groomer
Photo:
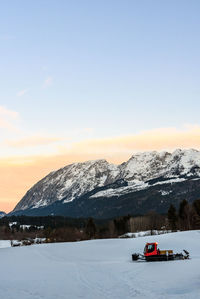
column 153, row 253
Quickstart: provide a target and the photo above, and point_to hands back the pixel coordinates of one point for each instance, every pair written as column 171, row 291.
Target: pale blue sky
column 117, row 67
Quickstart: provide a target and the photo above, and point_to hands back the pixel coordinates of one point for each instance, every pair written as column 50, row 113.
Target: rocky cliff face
column 140, row 172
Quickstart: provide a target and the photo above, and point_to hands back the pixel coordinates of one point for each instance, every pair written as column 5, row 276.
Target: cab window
column 149, row 248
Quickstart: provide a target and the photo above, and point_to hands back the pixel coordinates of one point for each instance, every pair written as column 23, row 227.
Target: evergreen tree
column 196, row 214
column 90, row 229
column 196, row 205
column 184, row 215
column 172, row 217
column 122, row 225
column 183, row 209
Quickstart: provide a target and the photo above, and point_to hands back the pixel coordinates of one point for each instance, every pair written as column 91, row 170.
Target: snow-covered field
column 100, row 269
column 5, row 243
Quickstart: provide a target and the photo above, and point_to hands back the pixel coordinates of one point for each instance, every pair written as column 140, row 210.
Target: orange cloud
column 157, row 139
column 32, row 141
column 6, row 112
column 7, row 118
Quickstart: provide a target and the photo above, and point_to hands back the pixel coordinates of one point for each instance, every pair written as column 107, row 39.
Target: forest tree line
column 186, row 217
column 62, row 229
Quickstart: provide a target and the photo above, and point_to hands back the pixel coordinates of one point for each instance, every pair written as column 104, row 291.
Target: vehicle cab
column 151, row 249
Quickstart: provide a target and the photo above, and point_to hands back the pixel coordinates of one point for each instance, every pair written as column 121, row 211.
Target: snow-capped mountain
column 100, row 179
column 69, row 183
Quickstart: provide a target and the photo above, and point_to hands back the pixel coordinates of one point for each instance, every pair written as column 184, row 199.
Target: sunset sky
column 84, row 80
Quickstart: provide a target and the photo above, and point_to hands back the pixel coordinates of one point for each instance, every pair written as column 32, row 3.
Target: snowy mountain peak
column 77, row 179
column 193, row 153
column 69, row 183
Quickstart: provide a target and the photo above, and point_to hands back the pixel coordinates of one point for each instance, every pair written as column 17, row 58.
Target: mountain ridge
column 76, row 180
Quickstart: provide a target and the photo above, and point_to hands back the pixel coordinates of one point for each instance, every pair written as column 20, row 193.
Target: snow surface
column 145, row 233
column 132, row 187
column 5, row 243
column 121, row 190
column 164, row 193
column 100, row 269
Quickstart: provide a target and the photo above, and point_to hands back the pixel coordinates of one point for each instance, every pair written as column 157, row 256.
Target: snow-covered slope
column 77, row 179
column 101, row 269
column 5, row 243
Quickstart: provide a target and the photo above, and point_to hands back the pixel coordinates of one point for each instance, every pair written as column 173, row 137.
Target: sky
column 83, row 80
